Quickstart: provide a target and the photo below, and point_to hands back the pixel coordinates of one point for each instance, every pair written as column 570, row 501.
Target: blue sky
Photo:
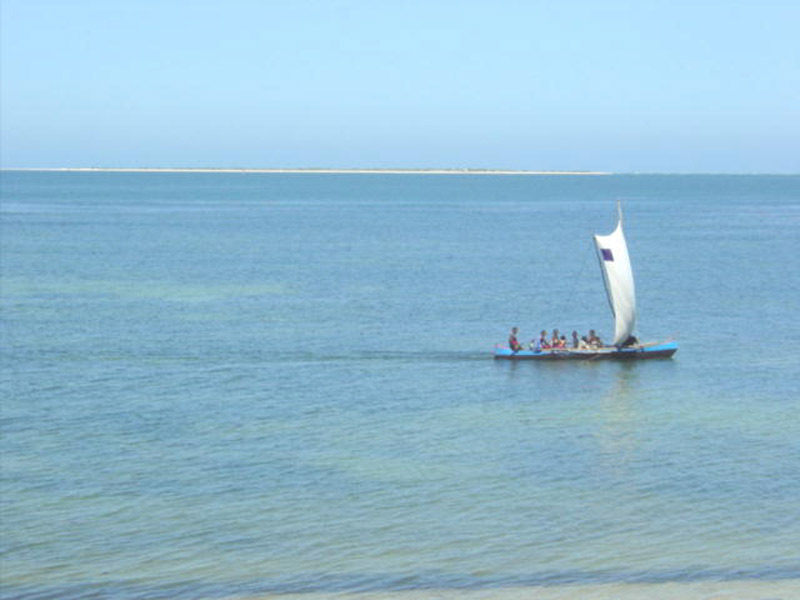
column 636, row 86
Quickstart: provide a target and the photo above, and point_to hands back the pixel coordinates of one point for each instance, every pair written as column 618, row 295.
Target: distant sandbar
column 321, row 170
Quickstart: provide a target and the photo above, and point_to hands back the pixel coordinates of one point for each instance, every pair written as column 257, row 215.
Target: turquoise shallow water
column 224, row 385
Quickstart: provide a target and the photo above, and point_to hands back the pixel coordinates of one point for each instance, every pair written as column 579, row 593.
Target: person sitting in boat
column 556, row 342
column 513, row 343
column 584, row 343
column 631, row 341
column 542, row 344
column 575, row 341
column 594, row 340
column 562, row 343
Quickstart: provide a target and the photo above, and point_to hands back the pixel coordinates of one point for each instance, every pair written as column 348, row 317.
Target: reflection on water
column 618, row 415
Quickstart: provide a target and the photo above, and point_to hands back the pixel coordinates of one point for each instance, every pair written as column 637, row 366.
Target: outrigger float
column 615, row 265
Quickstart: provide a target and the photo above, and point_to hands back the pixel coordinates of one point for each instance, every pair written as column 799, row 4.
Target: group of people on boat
column 557, row 341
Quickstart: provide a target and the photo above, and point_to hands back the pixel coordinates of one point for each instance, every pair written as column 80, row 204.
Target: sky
column 698, row 86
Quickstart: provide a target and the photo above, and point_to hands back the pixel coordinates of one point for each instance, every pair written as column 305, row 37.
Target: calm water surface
column 225, row 385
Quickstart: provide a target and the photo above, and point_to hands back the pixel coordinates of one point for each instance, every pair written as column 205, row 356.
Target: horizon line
column 326, row 170
column 377, row 171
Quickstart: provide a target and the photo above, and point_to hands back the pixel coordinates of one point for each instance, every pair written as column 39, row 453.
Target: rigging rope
column 578, row 280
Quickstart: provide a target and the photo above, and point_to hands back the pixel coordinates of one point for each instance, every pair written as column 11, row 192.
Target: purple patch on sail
column 607, row 254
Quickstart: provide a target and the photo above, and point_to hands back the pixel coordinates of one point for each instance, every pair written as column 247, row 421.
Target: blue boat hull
column 658, row 350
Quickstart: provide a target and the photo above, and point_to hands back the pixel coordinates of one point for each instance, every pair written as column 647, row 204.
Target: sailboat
column 615, row 265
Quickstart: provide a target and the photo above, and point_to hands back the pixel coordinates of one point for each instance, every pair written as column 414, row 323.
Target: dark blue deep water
column 226, row 385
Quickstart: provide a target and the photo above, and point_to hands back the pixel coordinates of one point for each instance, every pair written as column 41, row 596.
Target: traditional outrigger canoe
column 635, row 352
column 615, row 265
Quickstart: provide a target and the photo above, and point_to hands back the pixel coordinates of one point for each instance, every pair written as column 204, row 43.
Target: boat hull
column 643, row 352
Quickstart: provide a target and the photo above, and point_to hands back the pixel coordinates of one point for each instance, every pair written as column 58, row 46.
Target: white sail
column 618, row 277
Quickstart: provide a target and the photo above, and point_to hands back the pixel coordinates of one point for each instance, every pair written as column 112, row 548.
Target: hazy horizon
column 382, row 170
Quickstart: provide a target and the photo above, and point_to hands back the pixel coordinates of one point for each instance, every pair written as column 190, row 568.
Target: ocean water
column 249, row 385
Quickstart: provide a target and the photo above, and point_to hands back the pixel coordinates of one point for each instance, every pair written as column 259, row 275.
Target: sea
column 272, row 385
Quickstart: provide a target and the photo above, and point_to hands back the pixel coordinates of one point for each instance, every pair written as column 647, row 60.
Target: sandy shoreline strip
column 311, row 171
column 709, row 590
